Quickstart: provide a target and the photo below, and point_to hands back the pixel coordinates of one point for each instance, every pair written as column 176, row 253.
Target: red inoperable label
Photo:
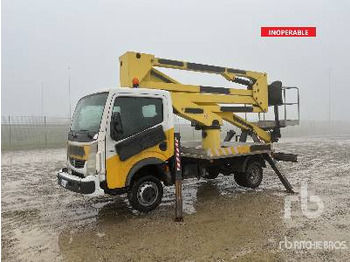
column 288, row 31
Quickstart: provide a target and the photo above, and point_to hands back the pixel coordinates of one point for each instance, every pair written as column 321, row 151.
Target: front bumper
column 89, row 185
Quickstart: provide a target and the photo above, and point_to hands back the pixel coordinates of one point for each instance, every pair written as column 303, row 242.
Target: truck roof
column 128, row 90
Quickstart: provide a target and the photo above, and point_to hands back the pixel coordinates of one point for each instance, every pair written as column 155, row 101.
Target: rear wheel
column 252, row 177
column 145, row 193
column 211, row 173
column 239, row 178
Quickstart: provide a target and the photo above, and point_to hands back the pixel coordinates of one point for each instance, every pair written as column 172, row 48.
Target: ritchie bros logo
column 288, row 31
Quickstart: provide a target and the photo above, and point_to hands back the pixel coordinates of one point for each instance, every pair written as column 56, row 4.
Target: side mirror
column 116, row 126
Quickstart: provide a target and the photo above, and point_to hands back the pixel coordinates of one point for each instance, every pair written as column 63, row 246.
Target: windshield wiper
column 73, row 133
column 88, row 132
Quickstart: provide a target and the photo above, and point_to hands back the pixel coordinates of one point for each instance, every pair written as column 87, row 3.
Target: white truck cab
column 100, row 156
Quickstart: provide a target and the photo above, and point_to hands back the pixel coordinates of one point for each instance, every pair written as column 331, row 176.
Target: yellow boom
column 206, row 106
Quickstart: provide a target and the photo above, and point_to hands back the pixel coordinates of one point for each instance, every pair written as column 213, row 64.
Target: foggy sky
column 41, row 39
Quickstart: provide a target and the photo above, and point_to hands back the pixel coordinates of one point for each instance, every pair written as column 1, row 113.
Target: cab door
column 145, row 133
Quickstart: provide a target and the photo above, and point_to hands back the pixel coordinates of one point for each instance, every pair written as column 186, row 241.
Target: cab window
column 138, row 113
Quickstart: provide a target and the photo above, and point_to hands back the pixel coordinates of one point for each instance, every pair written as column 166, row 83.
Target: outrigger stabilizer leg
column 178, row 179
column 283, row 179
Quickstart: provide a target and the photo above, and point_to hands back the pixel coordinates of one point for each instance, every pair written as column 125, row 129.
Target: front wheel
column 145, row 193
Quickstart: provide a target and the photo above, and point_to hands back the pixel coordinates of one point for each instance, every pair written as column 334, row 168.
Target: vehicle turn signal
column 135, row 82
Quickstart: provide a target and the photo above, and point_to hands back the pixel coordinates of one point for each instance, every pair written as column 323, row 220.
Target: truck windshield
column 88, row 114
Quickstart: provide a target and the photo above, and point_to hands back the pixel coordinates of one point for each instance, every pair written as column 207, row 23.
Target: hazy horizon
column 42, row 39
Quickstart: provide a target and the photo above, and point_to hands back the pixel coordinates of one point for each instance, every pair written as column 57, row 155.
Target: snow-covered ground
column 43, row 222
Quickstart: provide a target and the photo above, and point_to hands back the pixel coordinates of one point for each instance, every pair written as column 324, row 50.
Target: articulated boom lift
column 202, row 104
column 122, row 140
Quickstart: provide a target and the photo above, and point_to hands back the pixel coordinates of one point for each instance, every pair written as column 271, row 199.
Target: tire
column 145, row 193
column 239, row 178
column 211, row 173
column 252, row 177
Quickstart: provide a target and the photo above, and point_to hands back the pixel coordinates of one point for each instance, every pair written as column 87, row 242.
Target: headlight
column 91, row 161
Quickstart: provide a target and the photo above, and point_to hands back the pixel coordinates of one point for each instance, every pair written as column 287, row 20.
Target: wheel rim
column 147, row 193
column 254, row 174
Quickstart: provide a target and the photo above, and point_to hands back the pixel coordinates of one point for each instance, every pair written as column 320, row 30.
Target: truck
column 123, row 140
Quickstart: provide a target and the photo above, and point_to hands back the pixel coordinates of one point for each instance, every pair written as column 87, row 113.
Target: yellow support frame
column 200, row 104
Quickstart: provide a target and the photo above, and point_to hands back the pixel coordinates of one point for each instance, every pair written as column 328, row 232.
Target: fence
column 27, row 132
column 30, row 132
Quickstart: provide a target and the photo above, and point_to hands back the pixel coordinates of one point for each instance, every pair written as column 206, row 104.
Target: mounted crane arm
column 205, row 106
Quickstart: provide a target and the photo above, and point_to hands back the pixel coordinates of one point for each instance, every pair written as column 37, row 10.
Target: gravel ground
column 223, row 222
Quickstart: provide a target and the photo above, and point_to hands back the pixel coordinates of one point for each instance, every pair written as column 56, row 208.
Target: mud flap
column 283, row 179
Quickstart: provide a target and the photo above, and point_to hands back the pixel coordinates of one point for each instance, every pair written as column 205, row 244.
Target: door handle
column 163, row 146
